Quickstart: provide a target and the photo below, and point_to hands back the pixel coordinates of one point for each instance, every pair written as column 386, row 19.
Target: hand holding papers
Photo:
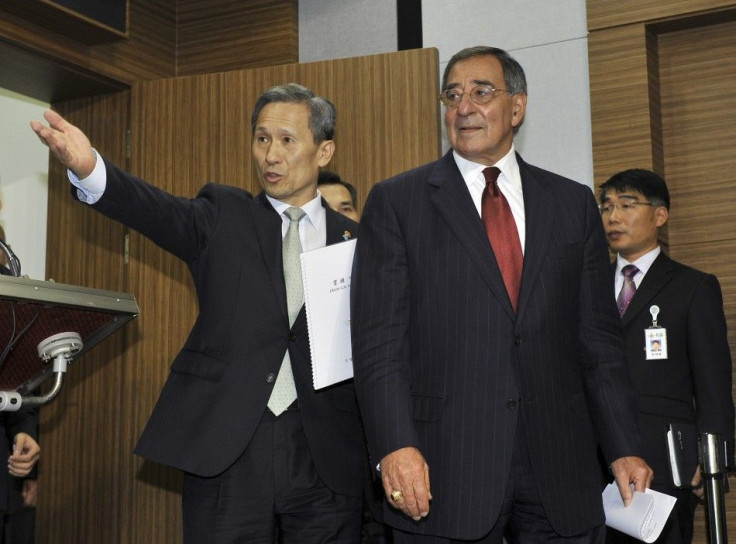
column 643, row 519
column 326, row 273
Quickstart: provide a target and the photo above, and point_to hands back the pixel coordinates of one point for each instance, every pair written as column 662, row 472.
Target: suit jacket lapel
column 658, row 275
column 339, row 228
column 268, row 230
column 454, row 203
column 538, row 215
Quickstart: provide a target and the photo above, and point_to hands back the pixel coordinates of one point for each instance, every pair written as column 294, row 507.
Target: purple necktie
column 629, row 288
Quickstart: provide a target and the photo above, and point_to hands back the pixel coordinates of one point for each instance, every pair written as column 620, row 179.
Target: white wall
column 549, row 39
column 346, row 28
column 23, row 182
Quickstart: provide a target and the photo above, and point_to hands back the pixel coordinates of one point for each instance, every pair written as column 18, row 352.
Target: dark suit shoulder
column 228, row 191
column 550, row 179
column 684, row 273
column 410, row 178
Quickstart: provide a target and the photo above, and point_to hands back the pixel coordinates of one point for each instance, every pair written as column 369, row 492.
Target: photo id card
column 655, row 343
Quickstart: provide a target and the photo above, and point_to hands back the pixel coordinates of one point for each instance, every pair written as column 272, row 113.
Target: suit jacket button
column 270, row 377
column 292, row 337
column 511, row 404
column 517, row 340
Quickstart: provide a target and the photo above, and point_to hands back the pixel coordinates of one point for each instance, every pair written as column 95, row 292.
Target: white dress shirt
column 509, row 183
column 643, row 263
column 312, row 228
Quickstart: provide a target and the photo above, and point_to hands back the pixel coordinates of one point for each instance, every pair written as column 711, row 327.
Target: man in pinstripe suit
column 483, row 410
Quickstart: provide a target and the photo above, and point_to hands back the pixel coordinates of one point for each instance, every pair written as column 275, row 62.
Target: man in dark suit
column 252, row 458
column 493, row 388
column 686, row 378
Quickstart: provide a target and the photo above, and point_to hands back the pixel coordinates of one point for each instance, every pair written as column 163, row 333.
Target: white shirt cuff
column 91, row 188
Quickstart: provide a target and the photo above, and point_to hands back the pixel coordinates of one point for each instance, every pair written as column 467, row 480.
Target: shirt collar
column 313, row 209
column 643, row 263
column 472, row 171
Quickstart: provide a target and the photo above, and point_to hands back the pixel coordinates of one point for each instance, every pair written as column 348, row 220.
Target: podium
column 46, row 325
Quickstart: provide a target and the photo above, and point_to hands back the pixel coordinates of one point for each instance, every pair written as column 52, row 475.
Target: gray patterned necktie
column 284, row 390
column 628, row 289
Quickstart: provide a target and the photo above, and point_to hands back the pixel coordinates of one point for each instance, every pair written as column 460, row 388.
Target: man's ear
column 661, row 214
column 519, row 109
column 325, row 153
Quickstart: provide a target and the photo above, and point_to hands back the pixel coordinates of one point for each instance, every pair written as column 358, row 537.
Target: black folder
column 682, row 447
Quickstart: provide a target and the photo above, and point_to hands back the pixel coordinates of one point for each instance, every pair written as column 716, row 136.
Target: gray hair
column 322, row 113
column 513, row 73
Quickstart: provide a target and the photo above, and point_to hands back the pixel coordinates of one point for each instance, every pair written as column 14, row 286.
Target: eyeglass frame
column 623, row 207
column 492, row 94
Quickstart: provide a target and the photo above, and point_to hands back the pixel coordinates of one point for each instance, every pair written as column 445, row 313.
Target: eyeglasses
column 622, row 207
column 481, row 94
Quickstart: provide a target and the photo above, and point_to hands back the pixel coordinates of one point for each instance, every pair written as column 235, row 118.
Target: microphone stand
column 13, row 262
column 712, row 456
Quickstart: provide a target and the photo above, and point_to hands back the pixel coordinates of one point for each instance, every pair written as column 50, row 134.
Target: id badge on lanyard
column 655, row 338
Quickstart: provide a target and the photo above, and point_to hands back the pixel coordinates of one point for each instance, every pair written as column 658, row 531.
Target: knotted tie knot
column 491, row 174
column 294, row 214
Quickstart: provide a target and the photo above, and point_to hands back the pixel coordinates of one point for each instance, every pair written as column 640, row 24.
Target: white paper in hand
column 644, row 518
column 326, row 273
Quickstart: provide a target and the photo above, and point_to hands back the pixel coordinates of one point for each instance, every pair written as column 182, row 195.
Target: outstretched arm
column 67, row 142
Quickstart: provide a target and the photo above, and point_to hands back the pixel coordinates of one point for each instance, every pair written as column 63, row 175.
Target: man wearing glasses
column 675, row 334
column 487, row 351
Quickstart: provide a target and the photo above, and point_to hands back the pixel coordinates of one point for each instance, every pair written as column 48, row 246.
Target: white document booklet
column 644, row 518
column 326, row 274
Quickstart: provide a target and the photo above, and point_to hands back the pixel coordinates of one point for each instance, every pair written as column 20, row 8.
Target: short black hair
column 331, row 178
column 645, row 182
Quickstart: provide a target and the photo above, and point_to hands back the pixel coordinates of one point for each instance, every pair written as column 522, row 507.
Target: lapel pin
column 346, row 235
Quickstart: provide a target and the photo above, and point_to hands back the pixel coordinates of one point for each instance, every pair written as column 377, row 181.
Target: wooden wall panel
column 369, row 118
column 148, row 53
column 698, row 75
column 388, row 112
column 619, row 96
column 697, row 78
column 166, row 38
column 232, row 35
column 83, row 447
column 610, row 13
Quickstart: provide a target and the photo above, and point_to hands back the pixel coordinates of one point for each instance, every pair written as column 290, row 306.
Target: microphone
column 13, row 262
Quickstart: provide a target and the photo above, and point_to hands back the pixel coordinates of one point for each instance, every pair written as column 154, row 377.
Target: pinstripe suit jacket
column 443, row 364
